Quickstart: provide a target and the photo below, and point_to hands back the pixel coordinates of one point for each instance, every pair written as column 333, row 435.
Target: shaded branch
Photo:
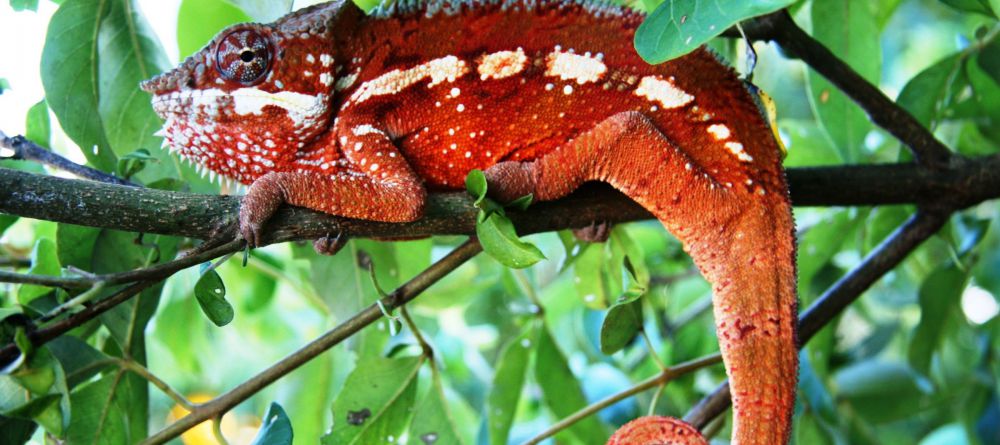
column 369, row 315
column 881, row 260
column 964, row 182
column 26, row 150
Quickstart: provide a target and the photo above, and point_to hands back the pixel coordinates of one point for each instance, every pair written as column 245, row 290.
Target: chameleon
column 362, row 115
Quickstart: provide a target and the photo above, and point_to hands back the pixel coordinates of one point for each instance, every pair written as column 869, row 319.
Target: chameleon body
column 360, row 116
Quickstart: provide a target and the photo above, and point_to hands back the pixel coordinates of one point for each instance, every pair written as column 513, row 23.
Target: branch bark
column 962, row 183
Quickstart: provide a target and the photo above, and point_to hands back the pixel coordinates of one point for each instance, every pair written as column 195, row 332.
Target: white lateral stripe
column 439, row 70
column 663, row 91
column 570, row 66
column 719, row 131
column 365, row 129
column 502, row 64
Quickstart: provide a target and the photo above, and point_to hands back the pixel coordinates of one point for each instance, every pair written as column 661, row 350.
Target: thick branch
column 884, row 258
column 963, row 183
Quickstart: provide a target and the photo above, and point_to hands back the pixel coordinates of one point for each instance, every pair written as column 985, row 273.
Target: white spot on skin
column 736, row 148
column 455, row 92
column 345, row 82
column 719, row 131
column 569, row 66
column 549, row 87
column 310, row 58
column 326, row 79
column 307, row 73
column 568, row 89
column 439, row 70
column 326, row 60
column 460, row 108
column 663, row 91
column 365, row 129
column 501, row 64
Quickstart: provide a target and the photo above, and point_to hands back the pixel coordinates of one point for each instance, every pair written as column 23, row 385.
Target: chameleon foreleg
column 741, row 239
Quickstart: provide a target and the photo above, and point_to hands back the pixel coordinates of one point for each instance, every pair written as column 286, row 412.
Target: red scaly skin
column 359, row 116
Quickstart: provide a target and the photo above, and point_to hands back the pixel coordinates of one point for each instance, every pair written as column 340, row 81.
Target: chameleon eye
column 243, row 56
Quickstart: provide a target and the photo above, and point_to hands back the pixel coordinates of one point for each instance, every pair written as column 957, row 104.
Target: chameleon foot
column 330, row 245
column 596, row 232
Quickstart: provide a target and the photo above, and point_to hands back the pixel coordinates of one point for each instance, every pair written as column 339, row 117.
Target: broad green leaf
column 211, row 294
column 264, row 11
column 36, row 125
column 508, row 382
column 70, row 76
column 199, row 20
column 432, row 422
column 818, row 245
column 622, row 323
column 100, row 416
column 375, row 402
column 37, row 390
column 940, row 295
column 76, row 245
column 500, row 241
column 977, row 6
column 880, row 391
column 929, row 92
column 856, row 41
column 44, row 261
column 79, row 360
column 561, row 390
column 128, row 53
column 275, row 428
column 677, row 27
column 589, row 277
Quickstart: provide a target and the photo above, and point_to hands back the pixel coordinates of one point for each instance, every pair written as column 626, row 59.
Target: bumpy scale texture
column 360, row 116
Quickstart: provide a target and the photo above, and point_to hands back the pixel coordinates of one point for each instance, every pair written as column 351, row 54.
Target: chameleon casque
column 360, row 116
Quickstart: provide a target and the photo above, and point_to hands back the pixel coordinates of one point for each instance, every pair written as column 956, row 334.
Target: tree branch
column 964, row 182
column 25, row 150
column 881, row 260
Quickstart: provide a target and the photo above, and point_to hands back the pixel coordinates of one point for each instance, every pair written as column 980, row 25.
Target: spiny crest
column 398, row 8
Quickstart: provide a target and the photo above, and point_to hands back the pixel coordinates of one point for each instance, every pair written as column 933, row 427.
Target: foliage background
column 914, row 361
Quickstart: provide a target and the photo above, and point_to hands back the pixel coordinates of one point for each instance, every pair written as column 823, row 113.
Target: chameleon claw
column 596, row 232
column 330, row 246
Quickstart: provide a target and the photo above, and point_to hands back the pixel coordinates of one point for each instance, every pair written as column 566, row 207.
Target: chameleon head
column 253, row 98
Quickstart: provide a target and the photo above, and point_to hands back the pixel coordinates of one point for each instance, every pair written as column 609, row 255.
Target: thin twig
column 660, row 379
column 141, row 371
column 881, row 260
column 26, row 150
column 16, row 263
column 369, row 315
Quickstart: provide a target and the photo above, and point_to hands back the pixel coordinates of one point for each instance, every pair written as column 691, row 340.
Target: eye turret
column 243, row 56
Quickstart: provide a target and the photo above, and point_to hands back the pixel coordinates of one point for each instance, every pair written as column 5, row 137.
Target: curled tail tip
column 657, row 430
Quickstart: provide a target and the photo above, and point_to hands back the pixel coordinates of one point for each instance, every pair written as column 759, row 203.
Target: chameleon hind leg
column 741, row 238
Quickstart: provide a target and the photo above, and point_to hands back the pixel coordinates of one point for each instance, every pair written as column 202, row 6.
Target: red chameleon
column 360, row 116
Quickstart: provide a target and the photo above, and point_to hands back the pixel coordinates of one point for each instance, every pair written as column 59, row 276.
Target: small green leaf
column 134, row 162
column 521, row 203
column 561, row 390
column 44, row 261
column 500, row 241
column 276, row 429
column 622, row 323
column 211, row 294
column 375, row 402
column 37, row 127
column 475, row 184
column 928, row 93
column 22, row 5
column 677, row 27
column 940, row 295
column 508, row 381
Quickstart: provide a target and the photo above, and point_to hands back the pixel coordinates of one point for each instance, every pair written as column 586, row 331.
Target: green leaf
column 75, row 245
column 677, row 27
column 855, row 40
column 22, row 5
column 977, row 6
column 622, row 323
column 940, row 295
column 275, row 429
column 264, row 11
column 376, row 401
column 880, row 391
column 432, row 422
column 589, row 278
column 508, row 381
column 36, row 124
column 44, row 261
column 70, row 76
column 475, row 184
column 928, row 93
column 500, row 241
column 521, row 203
column 561, row 390
column 100, row 414
column 199, row 20
column 211, row 294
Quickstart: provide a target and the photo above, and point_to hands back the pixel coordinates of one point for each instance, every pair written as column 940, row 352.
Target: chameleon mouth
column 303, row 110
